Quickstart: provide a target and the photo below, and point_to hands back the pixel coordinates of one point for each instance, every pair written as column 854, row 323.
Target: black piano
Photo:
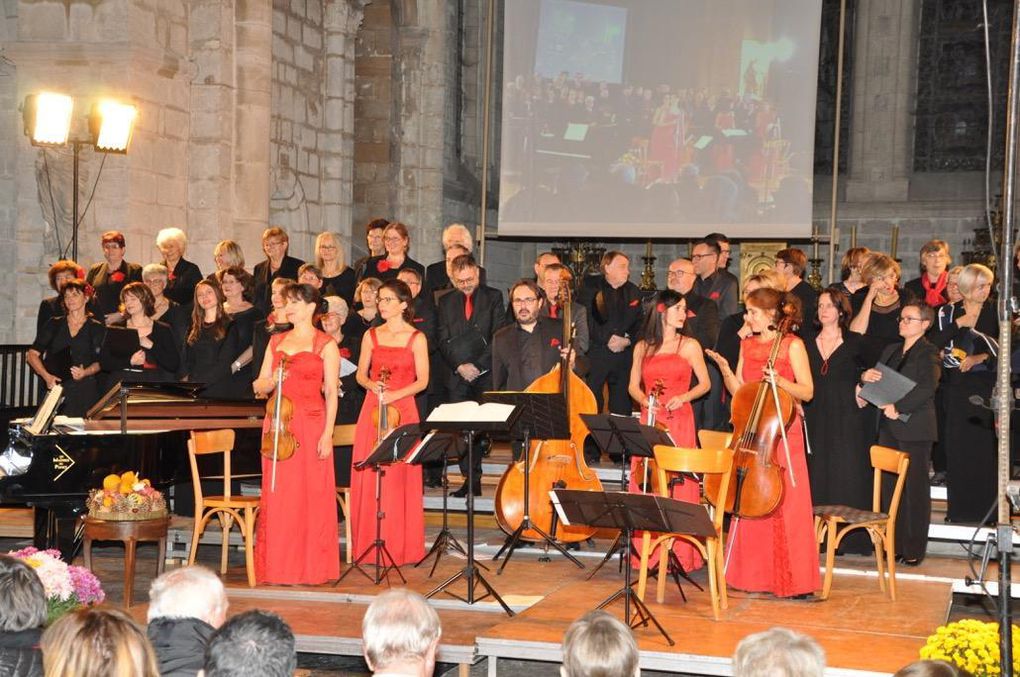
column 134, row 426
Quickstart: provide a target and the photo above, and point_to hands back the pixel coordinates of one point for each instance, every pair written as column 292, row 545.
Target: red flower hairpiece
column 89, row 290
column 382, row 266
column 661, row 307
column 555, row 343
column 80, row 274
column 117, row 276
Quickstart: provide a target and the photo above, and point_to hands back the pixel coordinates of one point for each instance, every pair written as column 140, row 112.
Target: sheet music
column 44, row 414
column 413, row 454
column 559, row 508
column 347, row 367
column 490, row 412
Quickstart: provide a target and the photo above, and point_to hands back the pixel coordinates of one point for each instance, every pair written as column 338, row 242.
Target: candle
column 853, row 236
column 648, row 249
column 895, row 241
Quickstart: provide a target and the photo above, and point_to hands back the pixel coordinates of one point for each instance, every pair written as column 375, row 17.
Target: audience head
column 465, row 275
column 681, row 276
column 395, row 298
column 599, row 645
column 526, row 299
column 400, row 633
column 934, row 257
column 62, row 271
column 615, row 268
column 790, row 263
column 24, row 597
column 457, row 233
column 155, row 276
column 834, row 308
column 374, row 236
column 953, row 284
column 931, row 669
column 226, row 254
column 975, row 283
column 778, row 652
column 253, row 644
column 367, row 292
column 768, row 309
column 882, row 270
column 396, row 239
column 724, row 248
column 172, row 243
column 311, row 274
column 852, row 263
column 188, row 592
column 236, row 281
column 74, row 295
column 412, row 278
column 94, row 642
column 335, row 316
column 113, row 247
column 136, row 298
column 329, row 251
column 543, row 260
column 275, row 243
column 276, row 288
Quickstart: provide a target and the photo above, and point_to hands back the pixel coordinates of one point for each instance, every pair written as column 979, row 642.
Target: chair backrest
column 714, row 439
column 343, row 435
column 203, row 442
column 718, row 461
column 886, row 459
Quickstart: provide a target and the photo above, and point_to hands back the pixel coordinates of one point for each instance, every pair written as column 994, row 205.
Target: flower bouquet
column 972, row 645
column 67, row 587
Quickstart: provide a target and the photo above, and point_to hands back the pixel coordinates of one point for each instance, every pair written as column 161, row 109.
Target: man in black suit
column 552, row 280
column 467, row 320
column 790, row 264
column 110, row 276
column 278, row 263
column 713, row 282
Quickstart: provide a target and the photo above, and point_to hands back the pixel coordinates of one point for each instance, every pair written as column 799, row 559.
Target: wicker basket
column 117, row 516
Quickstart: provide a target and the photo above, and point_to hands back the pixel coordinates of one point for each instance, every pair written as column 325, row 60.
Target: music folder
column 892, row 388
column 122, row 342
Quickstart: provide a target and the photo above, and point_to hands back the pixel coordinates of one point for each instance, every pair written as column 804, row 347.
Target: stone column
column 882, row 131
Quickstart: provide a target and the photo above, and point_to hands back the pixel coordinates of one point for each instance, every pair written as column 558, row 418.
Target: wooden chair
column 226, row 507
column 714, row 439
column 703, row 462
column 834, row 522
column 343, row 436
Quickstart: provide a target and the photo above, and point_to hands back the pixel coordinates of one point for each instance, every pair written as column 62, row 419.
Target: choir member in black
column 157, row 358
column 238, row 287
column 397, row 242
column 212, row 345
column 110, row 276
column 60, row 272
column 374, row 243
column 791, row 264
column 839, row 432
column 437, row 286
column 615, row 314
column 309, row 273
column 66, row 350
column 366, row 308
column 702, row 323
column 278, row 263
column 938, row 452
column 734, row 328
column 276, row 320
column 156, row 277
column 931, row 286
column 437, row 275
column 713, row 283
column 226, row 254
column 966, row 332
column 723, row 262
column 350, row 392
column 338, row 278
column 184, row 275
column 467, row 320
column 850, row 273
column 917, row 359
column 551, row 279
column 878, row 317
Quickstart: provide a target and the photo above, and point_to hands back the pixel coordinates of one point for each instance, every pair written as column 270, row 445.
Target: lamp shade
column 111, row 124
column 47, row 117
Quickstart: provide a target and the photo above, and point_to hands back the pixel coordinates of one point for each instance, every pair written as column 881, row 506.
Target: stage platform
column 862, row 631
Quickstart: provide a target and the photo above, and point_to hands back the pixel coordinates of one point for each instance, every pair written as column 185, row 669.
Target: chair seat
column 232, row 502
column 845, row 513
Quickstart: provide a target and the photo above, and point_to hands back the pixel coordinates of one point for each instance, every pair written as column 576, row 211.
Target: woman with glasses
column 966, row 332
column 393, row 367
column 278, row 263
column 397, row 243
column 110, row 276
column 877, row 318
column 932, row 286
column 909, row 424
column 338, row 278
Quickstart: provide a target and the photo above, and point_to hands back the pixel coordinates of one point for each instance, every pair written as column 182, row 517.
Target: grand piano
column 134, row 426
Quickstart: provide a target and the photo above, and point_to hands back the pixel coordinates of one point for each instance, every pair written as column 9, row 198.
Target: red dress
column 675, row 374
column 403, row 526
column 296, row 533
column 778, row 553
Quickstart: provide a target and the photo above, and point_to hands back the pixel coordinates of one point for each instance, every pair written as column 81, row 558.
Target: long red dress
column 778, row 553
column 675, row 374
column 403, row 526
column 296, row 533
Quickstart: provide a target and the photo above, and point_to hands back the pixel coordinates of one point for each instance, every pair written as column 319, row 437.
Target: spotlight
column 111, row 124
column 47, row 117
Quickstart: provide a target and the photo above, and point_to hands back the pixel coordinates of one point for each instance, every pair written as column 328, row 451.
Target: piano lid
column 171, row 400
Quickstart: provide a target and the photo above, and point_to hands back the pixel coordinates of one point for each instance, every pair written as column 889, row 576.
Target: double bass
column 555, row 464
column 761, row 413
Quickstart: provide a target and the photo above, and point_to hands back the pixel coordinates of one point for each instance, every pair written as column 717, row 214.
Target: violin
column 278, row 442
column 387, row 417
column 648, row 464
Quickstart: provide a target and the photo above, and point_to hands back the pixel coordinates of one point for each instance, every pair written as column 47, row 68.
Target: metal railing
column 20, row 387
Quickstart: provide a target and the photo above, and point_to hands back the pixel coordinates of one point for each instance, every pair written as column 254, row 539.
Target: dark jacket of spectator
column 179, row 644
column 19, row 653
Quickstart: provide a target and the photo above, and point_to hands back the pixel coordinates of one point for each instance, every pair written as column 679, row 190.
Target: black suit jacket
column 612, row 311
column 436, row 279
column 922, row 367
column 703, row 324
column 181, row 285
column 107, row 298
column 455, row 330
column 506, row 350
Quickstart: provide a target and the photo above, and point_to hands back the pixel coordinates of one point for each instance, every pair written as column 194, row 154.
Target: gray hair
column 463, row 231
column 599, row 645
column 150, row 269
column 971, row 275
column 253, row 644
column 23, row 594
column 188, row 592
column 399, row 625
column 778, row 652
column 172, row 234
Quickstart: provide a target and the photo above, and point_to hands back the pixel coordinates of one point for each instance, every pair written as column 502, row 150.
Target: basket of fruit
column 126, row 497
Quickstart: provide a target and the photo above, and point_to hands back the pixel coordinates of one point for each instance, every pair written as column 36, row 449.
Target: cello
column 761, row 413
column 554, row 464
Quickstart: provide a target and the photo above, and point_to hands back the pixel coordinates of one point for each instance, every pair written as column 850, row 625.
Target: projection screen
column 658, row 118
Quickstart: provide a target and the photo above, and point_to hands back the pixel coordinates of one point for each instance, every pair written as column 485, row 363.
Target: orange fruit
column 111, row 482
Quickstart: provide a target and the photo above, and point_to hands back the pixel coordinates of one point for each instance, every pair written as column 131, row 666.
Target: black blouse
column 208, row 360
column 182, row 282
column 341, row 285
column 55, row 337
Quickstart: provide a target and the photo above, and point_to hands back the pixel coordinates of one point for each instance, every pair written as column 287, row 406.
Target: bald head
column 681, row 276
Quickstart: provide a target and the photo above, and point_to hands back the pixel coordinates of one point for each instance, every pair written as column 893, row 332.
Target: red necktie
column 554, row 312
column 469, row 307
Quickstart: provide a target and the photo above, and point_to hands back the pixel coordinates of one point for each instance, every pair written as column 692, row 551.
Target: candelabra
column 648, row 276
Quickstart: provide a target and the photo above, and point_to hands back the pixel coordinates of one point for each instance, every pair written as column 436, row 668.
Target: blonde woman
column 183, row 275
column 337, row 277
column 96, row 643
column 878, row 317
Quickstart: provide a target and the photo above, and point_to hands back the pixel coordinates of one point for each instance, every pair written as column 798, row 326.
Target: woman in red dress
column 296, row 538
column 666, row 358
column 778, row 553
column 402, row 350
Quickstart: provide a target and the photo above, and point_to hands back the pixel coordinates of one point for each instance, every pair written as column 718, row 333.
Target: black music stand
column 470, row 572
column 629, row 513
column 433, row 447
column 389, row 450
column 543, row 417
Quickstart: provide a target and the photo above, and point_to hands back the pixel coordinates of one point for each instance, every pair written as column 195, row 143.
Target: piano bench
column 130, row 532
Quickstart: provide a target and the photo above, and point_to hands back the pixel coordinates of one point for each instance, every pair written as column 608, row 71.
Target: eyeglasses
column 464, row 281
column 678, row 273
column 387, row 299
column 695, row 257
column 393, row 239
column 273, row 243
column 910, row 319
column 527, row 301
column 327, row 246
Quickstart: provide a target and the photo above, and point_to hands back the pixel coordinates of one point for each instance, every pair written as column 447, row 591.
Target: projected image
column 641, row 117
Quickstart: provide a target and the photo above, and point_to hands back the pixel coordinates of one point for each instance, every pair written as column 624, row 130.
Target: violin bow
column 278, row 396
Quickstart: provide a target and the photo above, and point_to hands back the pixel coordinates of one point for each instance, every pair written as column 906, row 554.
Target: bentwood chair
column 714, row 439
column 717, row 461
column 834, row 522
column 343, row 436
column 226, row 507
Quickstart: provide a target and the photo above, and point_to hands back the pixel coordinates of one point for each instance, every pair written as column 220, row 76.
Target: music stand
column 389, row 450
column 631, row 512
column 470, row 572
column 433, row 447
column 543, row 417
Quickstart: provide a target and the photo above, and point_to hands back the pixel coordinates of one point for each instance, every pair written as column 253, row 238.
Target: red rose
column 89, row 290
column 382, row 266
column 117, row 276
column 555, row 343
column 345, row 353
column 633, row 303
column 171, row 276
column 714, row 296
column 661, row 307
